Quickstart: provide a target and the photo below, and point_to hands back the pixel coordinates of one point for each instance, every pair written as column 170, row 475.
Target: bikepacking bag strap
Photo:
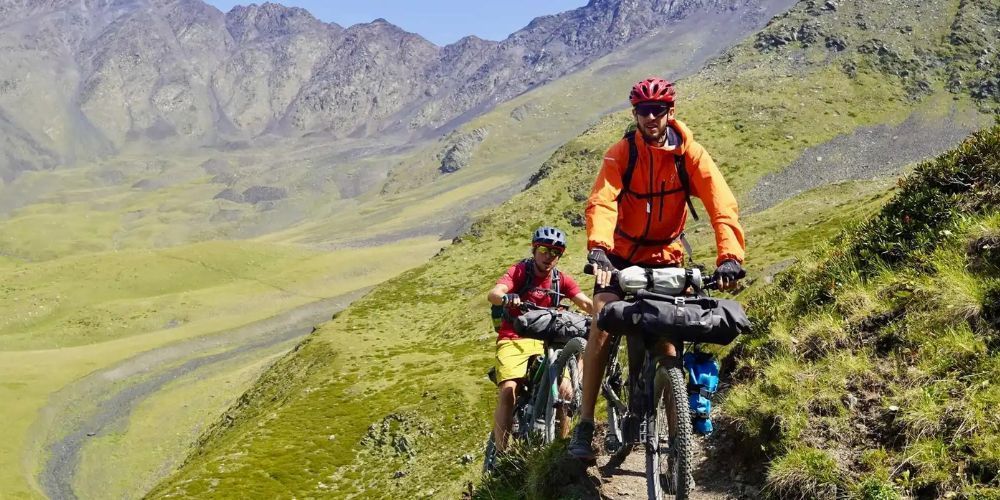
column 682, row 175
column 686, row 318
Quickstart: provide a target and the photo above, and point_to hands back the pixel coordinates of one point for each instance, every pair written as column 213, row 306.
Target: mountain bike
column 651, row 407
column 538, row 405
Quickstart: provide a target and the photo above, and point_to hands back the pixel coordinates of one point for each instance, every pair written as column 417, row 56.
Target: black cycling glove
column 508, row 299
column 730, row 271
column 599, row 258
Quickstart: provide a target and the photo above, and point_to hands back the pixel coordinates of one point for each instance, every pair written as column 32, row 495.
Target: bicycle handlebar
column 710, row 282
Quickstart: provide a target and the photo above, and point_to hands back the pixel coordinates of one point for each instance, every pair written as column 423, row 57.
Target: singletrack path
column 629, row 480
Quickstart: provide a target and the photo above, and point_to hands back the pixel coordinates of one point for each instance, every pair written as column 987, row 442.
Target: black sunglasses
column 657, row 110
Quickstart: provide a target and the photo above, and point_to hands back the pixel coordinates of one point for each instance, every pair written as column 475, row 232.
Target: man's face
column 545, row 258
column 651, row 119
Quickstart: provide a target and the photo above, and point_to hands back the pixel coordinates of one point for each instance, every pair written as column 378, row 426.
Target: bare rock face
column 259, row 194
column 88, row 77
column 460, row 149
column 229, row 194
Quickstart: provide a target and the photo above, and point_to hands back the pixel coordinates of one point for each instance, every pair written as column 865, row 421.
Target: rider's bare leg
column 566, row 394
column 503, row 416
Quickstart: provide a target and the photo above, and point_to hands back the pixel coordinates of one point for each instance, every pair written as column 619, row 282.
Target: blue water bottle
column 703, row 380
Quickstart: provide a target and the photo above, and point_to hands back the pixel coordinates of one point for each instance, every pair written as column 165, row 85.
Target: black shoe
column 581, row 444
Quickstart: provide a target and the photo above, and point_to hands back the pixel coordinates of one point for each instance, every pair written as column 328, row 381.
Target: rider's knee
column 505, row 392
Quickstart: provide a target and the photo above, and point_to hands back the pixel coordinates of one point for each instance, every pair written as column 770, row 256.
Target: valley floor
column 110, row 417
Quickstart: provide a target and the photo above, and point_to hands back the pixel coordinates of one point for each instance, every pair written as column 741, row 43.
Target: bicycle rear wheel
column 668, row 454
column 566, row 363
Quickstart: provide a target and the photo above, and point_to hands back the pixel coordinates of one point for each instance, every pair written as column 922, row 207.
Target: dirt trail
column 629, row 480
column 102, row 402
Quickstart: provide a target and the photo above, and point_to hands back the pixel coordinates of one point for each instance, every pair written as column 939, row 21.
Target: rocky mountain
column 95, row 77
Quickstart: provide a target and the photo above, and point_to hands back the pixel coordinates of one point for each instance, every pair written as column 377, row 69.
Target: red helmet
column 652, row 90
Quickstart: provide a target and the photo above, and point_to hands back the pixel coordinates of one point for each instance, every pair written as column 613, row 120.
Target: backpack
column 633, row 154
column 498, row 313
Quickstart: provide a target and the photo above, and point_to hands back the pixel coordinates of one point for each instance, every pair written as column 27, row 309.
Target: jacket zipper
column 663, row 194
column 649, row 208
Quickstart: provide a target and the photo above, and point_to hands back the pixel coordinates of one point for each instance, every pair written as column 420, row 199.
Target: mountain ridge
column 182, row 71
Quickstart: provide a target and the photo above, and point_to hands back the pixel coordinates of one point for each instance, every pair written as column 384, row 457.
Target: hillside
column 389, row 398
column 873, row 368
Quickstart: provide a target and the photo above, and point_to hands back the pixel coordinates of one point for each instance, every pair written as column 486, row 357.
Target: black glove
column 729, row 271
column 509, row 299
column 599, row 258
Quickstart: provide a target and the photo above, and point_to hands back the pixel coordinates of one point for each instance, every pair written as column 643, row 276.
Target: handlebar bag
column 666, row 281
column 686, row 318
column 556, row 327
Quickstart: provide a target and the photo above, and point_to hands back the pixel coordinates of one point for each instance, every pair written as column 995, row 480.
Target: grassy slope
column 394, row 384
column 190, row 404
column 873, row 373
column 68, row 317
column 99, row 297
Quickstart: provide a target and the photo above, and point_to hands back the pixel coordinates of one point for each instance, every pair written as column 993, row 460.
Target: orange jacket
column 644, row 229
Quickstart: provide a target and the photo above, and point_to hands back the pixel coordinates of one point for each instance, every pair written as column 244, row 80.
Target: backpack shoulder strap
column 633, row 155
column 556, row 279
column 529, row 274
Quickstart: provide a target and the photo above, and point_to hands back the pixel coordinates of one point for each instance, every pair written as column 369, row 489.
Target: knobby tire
column 572, row 351
column 616, row 418
column 669, row 460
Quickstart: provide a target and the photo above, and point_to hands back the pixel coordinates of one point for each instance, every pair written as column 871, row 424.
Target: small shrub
column 876, row 488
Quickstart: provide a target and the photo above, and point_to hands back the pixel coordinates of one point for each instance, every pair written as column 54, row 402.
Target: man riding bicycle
column 636, row 215
column 530, row 280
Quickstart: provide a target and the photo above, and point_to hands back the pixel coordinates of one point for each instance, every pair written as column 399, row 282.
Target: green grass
column 905, row 293
column 99, row 297
column 187, row 404
column 68, row 317
column 804, row 473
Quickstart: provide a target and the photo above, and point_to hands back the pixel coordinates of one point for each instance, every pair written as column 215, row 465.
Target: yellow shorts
column 512, row 357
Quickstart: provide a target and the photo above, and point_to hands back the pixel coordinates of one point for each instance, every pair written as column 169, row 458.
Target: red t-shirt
column 539, row 294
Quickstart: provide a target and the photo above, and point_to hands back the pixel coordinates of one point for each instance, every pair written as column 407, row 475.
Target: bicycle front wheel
column 490, row 455
column 566, row 365
column 622, row 430
column 669, row 437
